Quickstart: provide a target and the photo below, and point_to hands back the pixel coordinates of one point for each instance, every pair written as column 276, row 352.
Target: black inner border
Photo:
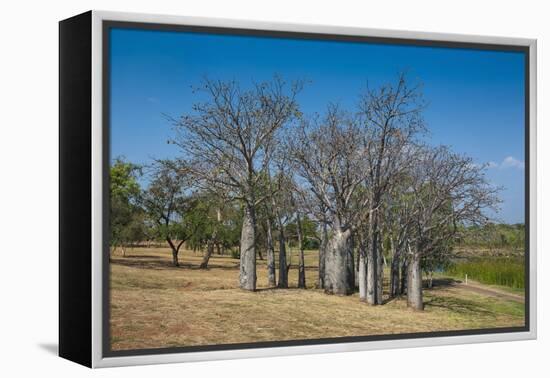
column 107, row 25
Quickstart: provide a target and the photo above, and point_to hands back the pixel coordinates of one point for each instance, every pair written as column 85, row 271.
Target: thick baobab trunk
column 338, row 276
column 362, row 273
column 207, row 255
column 270, row 257
column 414, row 284
column 301, row 261
column 322, row 254
column 247, row 277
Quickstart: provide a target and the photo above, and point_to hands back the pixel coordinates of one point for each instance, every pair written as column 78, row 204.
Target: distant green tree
column 493, row 236
column 126, row 218
column 166, row 201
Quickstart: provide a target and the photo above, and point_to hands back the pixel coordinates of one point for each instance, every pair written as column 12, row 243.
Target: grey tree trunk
column 322, row 254
column 339, row 258
column 247, row 277
column 283, row 272
column 270, row 257
column 207, row 255
column 379, row 271
column 301, row 262
column 357, row 265
column 404, row 275
column 362, row 273
column 414, row 284
column 372, row 256
column 394, row 277
column 394, row 270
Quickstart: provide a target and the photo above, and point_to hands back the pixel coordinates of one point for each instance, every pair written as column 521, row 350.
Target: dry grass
column 155, row 305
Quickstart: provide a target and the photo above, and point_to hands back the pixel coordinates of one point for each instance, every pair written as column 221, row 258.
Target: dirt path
column 489, row 291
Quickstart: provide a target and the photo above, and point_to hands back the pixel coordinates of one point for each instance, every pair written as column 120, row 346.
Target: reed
column 508, row 272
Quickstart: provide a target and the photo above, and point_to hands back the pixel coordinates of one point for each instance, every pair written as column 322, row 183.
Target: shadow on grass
column 275, row 289
column 156, row 263
column 142, row 257
column 460, row 306
column 441, row 283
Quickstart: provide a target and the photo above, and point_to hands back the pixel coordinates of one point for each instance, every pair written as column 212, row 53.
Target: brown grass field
column 155, row 305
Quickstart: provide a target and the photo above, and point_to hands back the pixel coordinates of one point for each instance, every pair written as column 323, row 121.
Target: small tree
column 165, row 202
column 448, row 190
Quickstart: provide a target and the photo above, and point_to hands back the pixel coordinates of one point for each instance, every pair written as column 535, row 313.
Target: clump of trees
column 127, row 219
column 494, row 236
column 362, row 185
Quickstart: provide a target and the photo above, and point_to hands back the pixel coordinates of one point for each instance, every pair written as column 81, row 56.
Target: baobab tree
column 328, row 159
column 448, row 191
column 399, row 218
column 391, row 117
column 229, row 140
column 279, row 188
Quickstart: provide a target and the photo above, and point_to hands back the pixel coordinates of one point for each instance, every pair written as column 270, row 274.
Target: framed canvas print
column 235, row 189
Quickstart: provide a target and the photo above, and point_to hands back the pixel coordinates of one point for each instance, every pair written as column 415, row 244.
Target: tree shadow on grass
column 142, row 257
column 460, row 306
column 279, row 289
column 442, row 283
column 155, row 263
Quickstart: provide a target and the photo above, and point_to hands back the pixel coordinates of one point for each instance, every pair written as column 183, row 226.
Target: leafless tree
column 229, row 140
column 391, row 117
column 447, row 190
column 329, row 162
column 279, row 186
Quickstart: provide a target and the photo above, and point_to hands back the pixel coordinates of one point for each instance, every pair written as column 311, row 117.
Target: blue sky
column 476, row 98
